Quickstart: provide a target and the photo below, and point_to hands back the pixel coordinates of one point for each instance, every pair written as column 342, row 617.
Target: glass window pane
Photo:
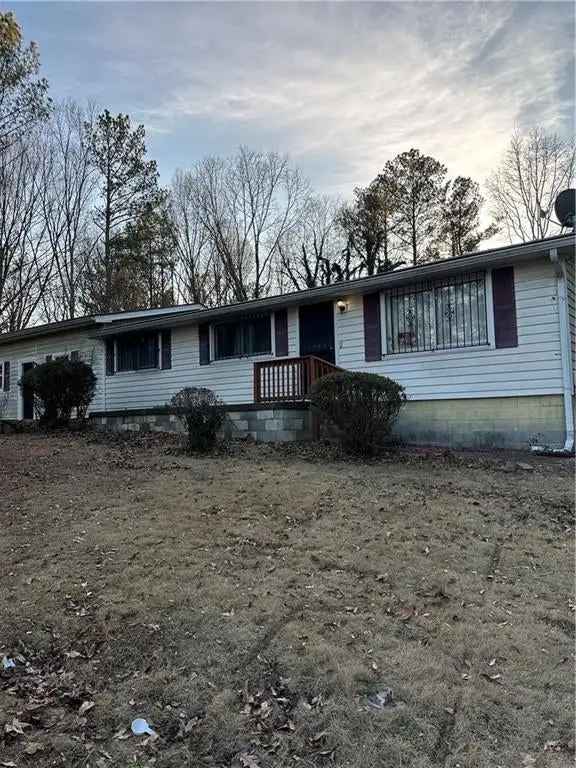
column 135, row 353
column 248, row 336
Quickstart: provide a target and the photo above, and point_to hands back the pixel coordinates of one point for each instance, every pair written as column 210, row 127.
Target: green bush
column 363, row 406
column 58, row 387
column 202, row 414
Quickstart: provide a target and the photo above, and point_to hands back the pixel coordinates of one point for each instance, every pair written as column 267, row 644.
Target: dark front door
column 27, row 396
column 317, row 331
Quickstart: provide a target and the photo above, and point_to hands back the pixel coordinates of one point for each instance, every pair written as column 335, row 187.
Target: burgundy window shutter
column 7, row 376
column 74, row 355
column 372, row 327
column 109, row 357
column 204, row 340
column 167, row 349
column 504, row 300
column 281, row 332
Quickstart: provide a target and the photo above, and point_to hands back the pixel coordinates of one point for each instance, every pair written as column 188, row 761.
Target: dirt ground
column 251, row 604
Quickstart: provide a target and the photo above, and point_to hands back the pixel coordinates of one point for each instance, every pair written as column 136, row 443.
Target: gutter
column 566, row 360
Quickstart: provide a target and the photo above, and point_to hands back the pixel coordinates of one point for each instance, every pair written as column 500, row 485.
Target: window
column 137, row 352
column 247, row 336
column 445, row 314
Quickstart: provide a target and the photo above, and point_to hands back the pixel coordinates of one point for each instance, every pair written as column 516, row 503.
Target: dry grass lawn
column 248, row 604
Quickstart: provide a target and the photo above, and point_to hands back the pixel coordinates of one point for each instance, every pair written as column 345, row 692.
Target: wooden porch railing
column 289, row 379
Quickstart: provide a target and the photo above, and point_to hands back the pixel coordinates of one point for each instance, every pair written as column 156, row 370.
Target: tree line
column 86, row 227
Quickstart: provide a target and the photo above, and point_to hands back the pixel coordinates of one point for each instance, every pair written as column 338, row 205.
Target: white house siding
column 531, row 368
column 571, row 291
column 232, row 380
column 35, row 350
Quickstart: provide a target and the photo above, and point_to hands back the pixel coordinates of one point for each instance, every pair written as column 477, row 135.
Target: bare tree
column 25, row 266
column 247, row 204
column 195, row 252
column 68, row 187
column 534, row 169
column 311, row 249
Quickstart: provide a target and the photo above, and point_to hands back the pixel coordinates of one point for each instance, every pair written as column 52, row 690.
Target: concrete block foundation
column 494, row 422
column 480, row 423
column 262, row 424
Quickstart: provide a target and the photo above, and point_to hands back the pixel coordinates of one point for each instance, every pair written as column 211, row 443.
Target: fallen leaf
column 32, row 747
column 265, row 709
column 491, row 662
column 491, row 678
column 191, row 724
column 248, row 761
column 85, row 707
column 318, row 737
column 16, row 726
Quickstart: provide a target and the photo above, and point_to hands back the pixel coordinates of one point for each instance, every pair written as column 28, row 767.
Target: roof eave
column 51, row 329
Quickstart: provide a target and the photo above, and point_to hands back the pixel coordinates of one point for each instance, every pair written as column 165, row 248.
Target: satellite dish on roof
column 565, row 207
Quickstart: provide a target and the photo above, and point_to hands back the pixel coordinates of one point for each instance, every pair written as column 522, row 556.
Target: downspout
column 566, row 360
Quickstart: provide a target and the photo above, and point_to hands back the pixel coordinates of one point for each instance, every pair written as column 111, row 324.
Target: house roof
column 93, row 321
column 116, row 322
column 472, row 261
column 47, row 329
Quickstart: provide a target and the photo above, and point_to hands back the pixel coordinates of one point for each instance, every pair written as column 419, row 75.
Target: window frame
column 433, row 288
column 239, row 322
column 140, row 369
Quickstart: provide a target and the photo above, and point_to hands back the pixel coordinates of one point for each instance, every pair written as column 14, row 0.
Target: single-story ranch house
column 483, row 343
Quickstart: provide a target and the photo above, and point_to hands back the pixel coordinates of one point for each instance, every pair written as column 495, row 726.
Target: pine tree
column 128, row 182
column 460, row 228
column 419, row 192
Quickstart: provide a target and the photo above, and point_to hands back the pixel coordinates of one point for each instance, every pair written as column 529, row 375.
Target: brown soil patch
column 248, row 603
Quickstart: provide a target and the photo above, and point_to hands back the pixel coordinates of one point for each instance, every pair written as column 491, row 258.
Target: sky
column 340, row 87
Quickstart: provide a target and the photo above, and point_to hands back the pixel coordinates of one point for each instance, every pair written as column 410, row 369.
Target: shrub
column 59, row 386
column 363, row 406
column 202, row 414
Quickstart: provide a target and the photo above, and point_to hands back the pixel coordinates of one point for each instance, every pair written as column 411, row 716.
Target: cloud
column 359, row 83
column 341, row 87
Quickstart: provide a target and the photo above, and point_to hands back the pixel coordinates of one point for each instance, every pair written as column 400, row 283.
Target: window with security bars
column 446, row 314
